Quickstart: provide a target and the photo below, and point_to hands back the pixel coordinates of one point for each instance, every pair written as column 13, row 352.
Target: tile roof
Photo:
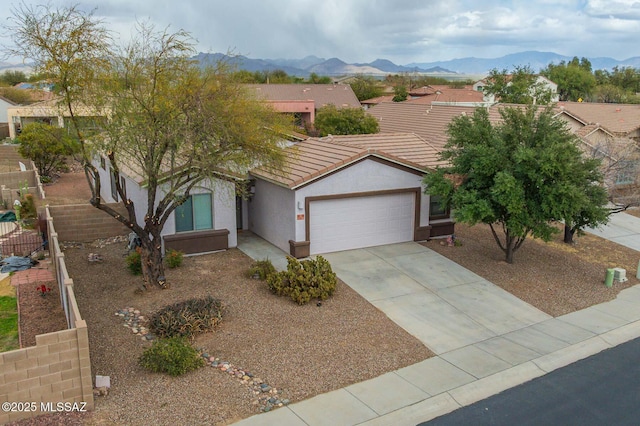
column 617, row 118
column 428, row 122
column 340, row 95
column 379, row 99
column 451, row 96
column 314, row 158
column 408, row 147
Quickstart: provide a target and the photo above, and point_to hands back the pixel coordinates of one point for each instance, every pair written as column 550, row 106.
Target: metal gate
column 21, row 242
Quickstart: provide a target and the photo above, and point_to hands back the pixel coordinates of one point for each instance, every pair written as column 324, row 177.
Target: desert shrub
column 134, row 262
column 174, row 356
column 262, row 269
column 28, row 207
column 47, row 146
column 187, row 318
column 303, row 281
column 174, row 258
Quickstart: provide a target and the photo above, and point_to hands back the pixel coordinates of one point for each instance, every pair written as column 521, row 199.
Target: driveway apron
column 444, row 305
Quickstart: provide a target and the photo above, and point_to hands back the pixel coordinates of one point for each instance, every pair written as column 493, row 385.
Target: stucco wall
column 272, row 214
column 365, row 176
column 224, row 213
column 278, row 214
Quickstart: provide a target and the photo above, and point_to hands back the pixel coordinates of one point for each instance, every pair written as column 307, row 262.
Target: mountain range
column 459, row 68
column 380, row 67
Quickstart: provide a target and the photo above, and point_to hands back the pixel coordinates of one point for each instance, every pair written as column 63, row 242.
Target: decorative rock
column 265, row 396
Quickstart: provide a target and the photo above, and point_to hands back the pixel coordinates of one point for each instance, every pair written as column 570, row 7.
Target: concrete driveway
column 486, row 340
column 441, row 303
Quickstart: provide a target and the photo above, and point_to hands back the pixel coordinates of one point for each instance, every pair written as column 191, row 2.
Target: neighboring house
column 370, row 103
column 622, row 120
column 611, row 131
column 428, row 122
column 49, row 112
column 346, row 192
column 444, row 94
column 5, row 104
column 542, row 81
column 437, row 94
column 304, row 100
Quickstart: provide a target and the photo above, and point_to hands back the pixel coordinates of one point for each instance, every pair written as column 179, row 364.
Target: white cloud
column 403, row 31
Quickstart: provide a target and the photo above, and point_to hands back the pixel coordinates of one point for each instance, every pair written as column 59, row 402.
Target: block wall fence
column 58, row 368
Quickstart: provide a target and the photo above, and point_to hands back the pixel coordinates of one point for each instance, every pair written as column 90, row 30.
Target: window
column 436, row 209
column 195, row 214
column 626, row 172
column 103, row 164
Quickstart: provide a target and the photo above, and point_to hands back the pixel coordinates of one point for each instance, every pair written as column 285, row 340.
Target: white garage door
column 348, row 223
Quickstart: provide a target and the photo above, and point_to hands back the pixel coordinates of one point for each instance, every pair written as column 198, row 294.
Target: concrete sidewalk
column 486, row 340
column 622, row 228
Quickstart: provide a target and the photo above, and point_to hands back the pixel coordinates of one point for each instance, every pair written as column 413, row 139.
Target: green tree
column 244, row 76
column 174, row 123
column 12, row 78
column 400, row 94
column 366, row 87
column 518, row 87
column 15, row 95
column 345, row 121
column 574, row 79
column 316, row 79
column 518, row 176
column 47, row 146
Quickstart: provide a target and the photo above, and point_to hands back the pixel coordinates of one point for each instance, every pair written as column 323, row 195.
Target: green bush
column 174, row 258
column 187, row 318
column 134, row 263
column 303, row 281
column 174, row 356
column 262, row 269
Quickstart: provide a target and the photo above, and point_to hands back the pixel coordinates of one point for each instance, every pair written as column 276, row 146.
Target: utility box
column 608, row 278
column 620, row 275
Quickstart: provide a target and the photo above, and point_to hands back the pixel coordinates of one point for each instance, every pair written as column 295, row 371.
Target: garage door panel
column 347, row 223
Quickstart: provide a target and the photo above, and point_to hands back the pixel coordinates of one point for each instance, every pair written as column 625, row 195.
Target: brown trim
column 440, row 229
column 371, row 157
column 299, row 249
column 422, row 233
column 416, row 222
column 198, row 241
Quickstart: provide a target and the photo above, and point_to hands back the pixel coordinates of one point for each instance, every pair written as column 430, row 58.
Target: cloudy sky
column 403, row 31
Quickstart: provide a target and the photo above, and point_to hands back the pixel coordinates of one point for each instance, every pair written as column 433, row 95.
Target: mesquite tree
column 519, row 176
column 169, row 122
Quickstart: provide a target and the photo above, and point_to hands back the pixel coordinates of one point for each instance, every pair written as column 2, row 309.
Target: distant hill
column 312, row 64
column 536, row 60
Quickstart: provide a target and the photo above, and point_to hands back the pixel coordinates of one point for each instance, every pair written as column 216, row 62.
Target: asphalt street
column 603, row 389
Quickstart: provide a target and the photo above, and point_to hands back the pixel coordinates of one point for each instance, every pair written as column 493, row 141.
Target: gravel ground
column 555, row 277
column 300, row 350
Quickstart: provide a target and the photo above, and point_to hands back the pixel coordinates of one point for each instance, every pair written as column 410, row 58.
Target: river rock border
column 264, row 395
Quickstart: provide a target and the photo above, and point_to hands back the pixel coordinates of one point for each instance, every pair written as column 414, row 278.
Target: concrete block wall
column 84, row 223
column 15, row 180
column 57, row 369
column 9, row 156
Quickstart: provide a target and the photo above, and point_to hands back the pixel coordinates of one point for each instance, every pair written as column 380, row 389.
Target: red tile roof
column 340, row 95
